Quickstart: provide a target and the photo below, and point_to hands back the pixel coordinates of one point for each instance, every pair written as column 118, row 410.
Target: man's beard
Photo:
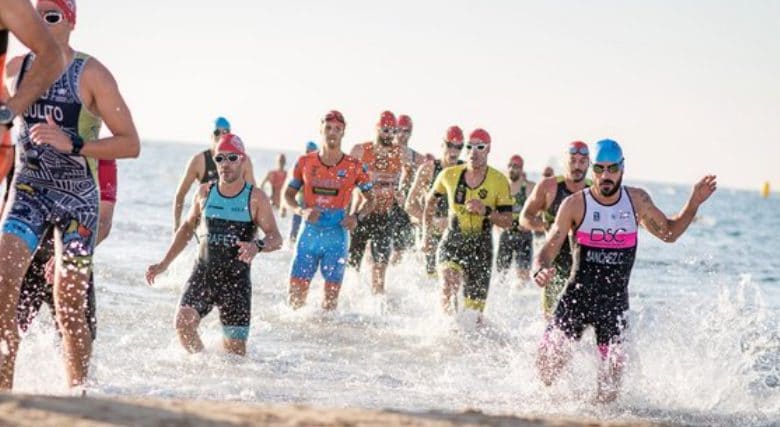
column 514, row 176
column 386, row 141
column 581, row 176
column 615, row 187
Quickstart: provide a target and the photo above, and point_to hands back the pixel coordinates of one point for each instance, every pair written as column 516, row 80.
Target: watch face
column 6, row 116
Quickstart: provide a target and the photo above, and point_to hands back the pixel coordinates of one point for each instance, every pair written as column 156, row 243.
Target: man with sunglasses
column 478, row 198
column 516, row 243
column 229, row 211
column 452, row 145
column 383, row 161
column 540, row 210
column 201, row 169
column 326, row 179
column 56, row 186
column 602, row 223
column 412, row 160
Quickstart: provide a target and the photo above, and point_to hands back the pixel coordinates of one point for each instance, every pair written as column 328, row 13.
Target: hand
column 349, row 222
column 50, row 133
column 475, row 206
column 543, row 276
column 704, row 189
column 310, row 215
column 48, row 271
column 153, row 271
column 246, row 251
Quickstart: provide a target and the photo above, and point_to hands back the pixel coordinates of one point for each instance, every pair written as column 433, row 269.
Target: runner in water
column 540, row 209
column 56, row 187
column 326, row 179
column 228, row 212
column 201, row 169
column 478, row 198
column 403, row 238
column 311, row 147
column 276, row 178
column 423, row 182
column 384, row 162
column 516, row 243
column 601, row 222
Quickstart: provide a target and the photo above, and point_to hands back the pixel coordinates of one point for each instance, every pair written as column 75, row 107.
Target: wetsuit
column 328, row 189
column 516, row 242
column 210, row 170
column 603, row 250
column 219, row 278
column 441, row 211
column 53, row 188
column 378, row 227
column 467, row 244
column 562, row 262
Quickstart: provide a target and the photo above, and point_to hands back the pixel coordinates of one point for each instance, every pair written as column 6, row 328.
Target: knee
column 187, row 318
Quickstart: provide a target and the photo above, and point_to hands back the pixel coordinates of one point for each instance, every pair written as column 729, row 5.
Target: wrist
column 259, row 244
column 488, row 211
column 77, row 144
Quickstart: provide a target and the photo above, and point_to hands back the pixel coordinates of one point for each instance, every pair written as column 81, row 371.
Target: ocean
column 704, row 340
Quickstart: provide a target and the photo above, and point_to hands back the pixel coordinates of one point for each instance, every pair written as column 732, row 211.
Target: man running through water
column 478, row 198
column 602, row 222
column 452, row 146
column 403, row 238
column 516, row 242
column 20, row 19
column 276, row 178
column 311, row 147
column 540, row 210
column 383, row 160
column 201, row 169
column 56, row 187
column 229, row 211
column 326, row 179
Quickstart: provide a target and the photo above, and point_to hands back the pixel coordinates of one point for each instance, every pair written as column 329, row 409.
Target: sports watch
column 6, row 116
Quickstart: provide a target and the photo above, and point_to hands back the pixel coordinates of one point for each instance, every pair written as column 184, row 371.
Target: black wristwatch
column 260, row 244
column 488, row 210
column 6, row 116
column 78, row 144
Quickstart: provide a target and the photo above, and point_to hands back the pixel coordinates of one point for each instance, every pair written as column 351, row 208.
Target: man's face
column 281, row 161
column 230, row 166
column 515, row 171
column 608, row 177
column 452, row 151
column 332, row 132
column 402, row 136
column 385, row 135
column 55, row 19
column 477, row 153
column 578, row 167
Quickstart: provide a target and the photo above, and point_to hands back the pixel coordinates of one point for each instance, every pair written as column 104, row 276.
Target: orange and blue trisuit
column 324, row 243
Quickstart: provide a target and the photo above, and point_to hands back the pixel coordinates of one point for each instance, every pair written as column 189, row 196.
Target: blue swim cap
column 311, row 146
column 608, row 151
column 221, row 123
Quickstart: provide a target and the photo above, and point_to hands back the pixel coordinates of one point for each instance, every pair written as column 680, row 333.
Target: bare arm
column 23, row 21
column 564, row 221
column 669, row 229
column 290, row 194
column 422, row 181
column 185, row 183
column 264, row 218
column 105, row 220
column 501, row 219
column 536, row 203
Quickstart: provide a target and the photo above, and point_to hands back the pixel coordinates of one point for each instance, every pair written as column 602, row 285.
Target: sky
column 687, row 87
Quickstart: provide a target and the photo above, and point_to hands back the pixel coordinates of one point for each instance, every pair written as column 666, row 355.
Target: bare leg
column 331, row 300
column 299, row 290
column 187, row 321
column 70, row 304
column 14, row 260
column 613, row 361
column 378, row 278
column 554, row 354
column 450, row 283
column 237, row 347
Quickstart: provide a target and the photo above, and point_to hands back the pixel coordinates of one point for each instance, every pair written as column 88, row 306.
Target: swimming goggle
column 53, row 17
column 478, row 147
column 583, row 150
column 454, row 145
column 612, row 168
column 230, row 157
column 388, row 130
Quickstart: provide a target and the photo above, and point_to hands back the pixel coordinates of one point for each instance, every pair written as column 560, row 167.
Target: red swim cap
column 480, row 135
column 334, row 116
column 230, row 143
column 68, row 8
column 404, row 121
column 516, row 160
column 454, row 134
column 387, row 120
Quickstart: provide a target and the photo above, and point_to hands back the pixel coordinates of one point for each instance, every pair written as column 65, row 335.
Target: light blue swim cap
column 608, row 151
column 311, row 146
column 221, row 123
